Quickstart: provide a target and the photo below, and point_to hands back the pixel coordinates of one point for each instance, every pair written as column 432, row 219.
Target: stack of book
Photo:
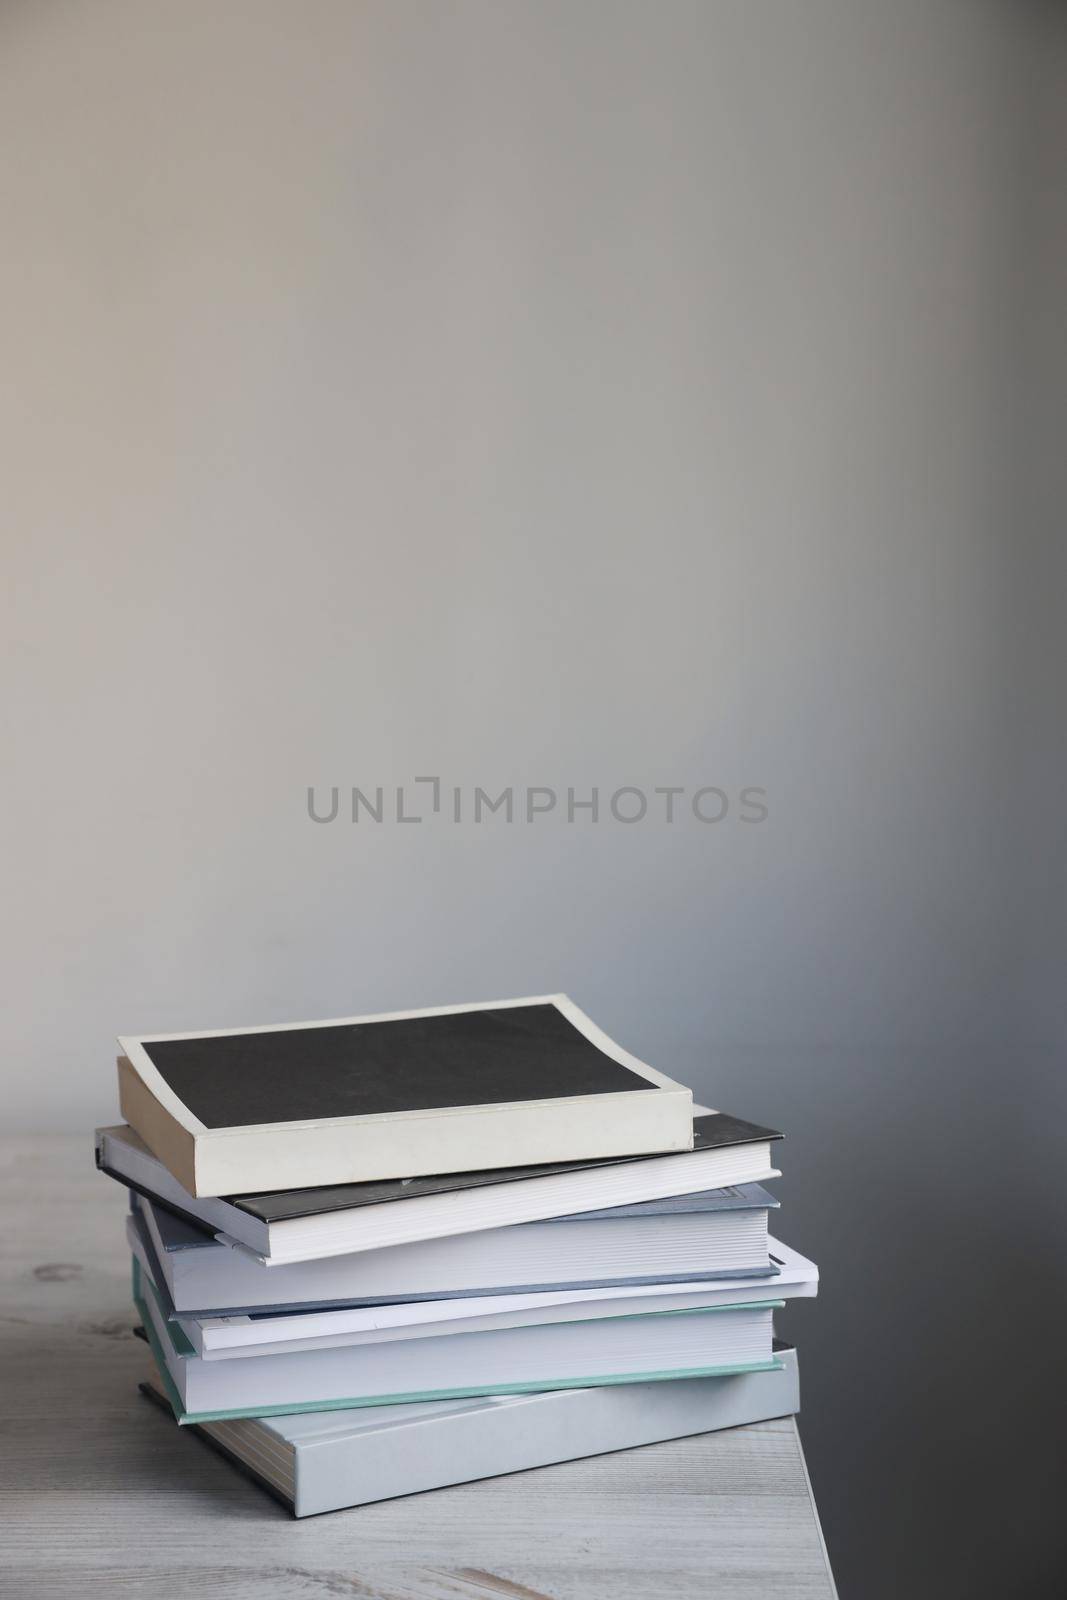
column 385, row 1254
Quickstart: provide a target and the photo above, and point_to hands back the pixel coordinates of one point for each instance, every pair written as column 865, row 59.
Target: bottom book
column 317, row 1461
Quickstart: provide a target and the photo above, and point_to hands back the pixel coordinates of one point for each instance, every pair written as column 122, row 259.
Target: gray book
column 324, row 1461
column 718, row 1234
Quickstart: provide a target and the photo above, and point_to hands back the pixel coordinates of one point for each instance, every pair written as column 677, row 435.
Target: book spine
column 168, row 1141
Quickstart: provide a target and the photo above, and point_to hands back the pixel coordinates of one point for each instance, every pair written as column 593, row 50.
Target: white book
column 224, row 1338
column 721, row 1234
column 395, row 1095
column 614, row 1350
column 326, row 1460
column 286, row 1226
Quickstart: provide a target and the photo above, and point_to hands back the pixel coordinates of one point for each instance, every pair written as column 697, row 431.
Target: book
column 275, row 1330
column 212, row 1331
column 397, row 1095
column 298, row 1225
column 643, row 1347
column 318, row 1461
column 723, row 1234
column 272, row 1332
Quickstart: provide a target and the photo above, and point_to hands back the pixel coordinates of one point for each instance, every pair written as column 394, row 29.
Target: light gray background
column 577, row 393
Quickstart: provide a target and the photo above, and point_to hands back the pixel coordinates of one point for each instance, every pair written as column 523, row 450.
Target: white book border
column 133, row 1045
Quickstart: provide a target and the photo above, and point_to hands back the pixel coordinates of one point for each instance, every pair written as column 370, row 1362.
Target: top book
column 400, row 1095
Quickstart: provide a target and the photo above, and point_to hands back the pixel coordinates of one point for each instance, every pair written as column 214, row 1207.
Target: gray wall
column 575, row 394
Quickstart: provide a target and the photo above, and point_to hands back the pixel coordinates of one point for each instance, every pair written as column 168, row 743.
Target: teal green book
column 646, row 1347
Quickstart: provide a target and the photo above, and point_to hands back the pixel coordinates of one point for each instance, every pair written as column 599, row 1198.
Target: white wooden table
column 101, row 1495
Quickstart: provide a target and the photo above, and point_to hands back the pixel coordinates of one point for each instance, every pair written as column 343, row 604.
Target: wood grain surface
column 101, row 1495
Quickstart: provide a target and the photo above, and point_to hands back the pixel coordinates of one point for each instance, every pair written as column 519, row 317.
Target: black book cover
column 483, row 1057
